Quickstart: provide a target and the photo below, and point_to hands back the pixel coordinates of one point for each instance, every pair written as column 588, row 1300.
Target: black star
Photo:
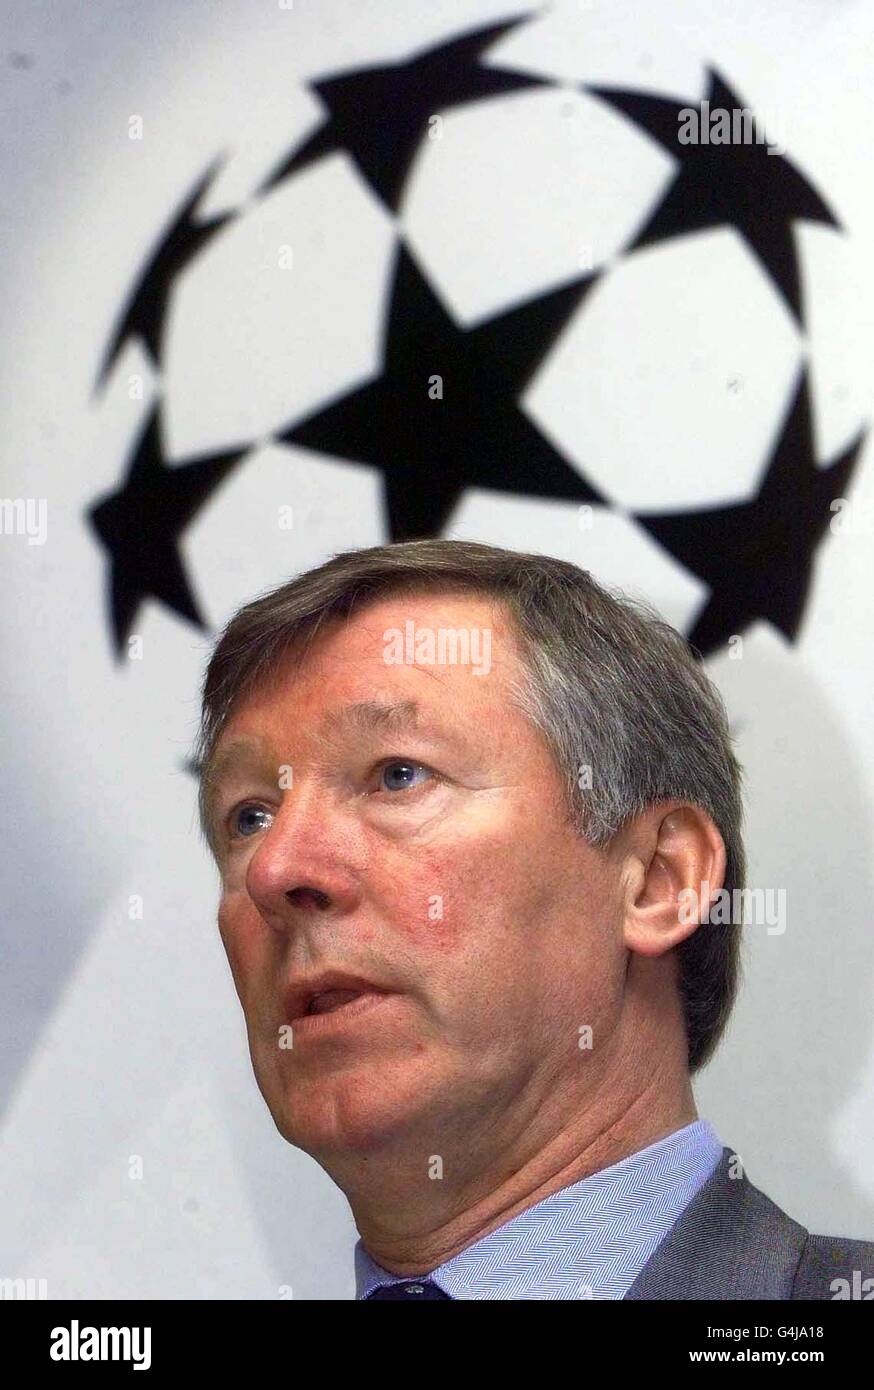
column 379, row 114
column 141, row 523
column 758, row 193
column 430, row 450
column 757, row 556
column 145, row 310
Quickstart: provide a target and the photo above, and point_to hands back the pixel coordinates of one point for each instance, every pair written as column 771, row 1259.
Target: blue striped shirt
column 589, row 1240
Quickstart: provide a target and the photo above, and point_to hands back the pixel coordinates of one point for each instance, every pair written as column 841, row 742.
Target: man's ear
column 675, row 862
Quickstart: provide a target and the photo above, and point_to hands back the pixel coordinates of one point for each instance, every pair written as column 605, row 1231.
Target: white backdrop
column 121, row 1036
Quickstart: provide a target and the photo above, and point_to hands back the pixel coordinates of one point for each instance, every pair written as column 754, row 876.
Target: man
column 458, row 798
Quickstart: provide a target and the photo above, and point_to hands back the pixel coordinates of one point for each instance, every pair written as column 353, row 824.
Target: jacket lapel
column 731, row 1242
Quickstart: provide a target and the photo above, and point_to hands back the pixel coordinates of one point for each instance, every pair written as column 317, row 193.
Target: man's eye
column 397, row 776
column 246, row 820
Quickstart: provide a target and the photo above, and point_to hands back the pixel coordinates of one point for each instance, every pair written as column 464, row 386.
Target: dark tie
column 411, row 1290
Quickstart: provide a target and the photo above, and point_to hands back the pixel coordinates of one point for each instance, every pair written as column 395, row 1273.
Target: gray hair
column 613, row 688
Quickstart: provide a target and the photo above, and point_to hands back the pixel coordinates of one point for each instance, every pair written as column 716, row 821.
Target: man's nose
column 308, row 861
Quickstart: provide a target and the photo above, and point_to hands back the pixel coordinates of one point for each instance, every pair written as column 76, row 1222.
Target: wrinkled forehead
column 444, row 636
column 453, row 656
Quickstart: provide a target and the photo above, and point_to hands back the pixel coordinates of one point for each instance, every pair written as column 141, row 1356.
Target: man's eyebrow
column 373, row 716
column 367, row 716
column 218, row 765
column 224, row 759
column 363, row 717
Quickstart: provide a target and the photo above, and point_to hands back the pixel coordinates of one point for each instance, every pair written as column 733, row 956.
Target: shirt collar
column 589, row 1240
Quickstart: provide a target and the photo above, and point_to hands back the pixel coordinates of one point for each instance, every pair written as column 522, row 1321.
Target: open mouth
column 332, row 999
column 332, row 1011
column 324, row 1000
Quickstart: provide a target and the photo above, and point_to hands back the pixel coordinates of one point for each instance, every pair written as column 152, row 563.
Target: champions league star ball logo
column 444, row 409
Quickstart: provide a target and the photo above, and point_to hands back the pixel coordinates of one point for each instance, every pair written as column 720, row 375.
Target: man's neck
column 411, row 1233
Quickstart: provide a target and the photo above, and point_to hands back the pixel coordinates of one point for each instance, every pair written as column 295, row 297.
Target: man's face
column 426, row 850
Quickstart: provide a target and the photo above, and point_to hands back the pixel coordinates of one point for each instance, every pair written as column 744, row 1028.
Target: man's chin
column 346, row 1114
column 323, row 1137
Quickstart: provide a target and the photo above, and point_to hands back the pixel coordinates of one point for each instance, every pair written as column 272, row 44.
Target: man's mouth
column 328, row 991
column 332, row 999
column 332, row 1013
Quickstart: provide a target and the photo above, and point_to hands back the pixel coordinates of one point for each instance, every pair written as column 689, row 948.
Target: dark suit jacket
column 732, row 1242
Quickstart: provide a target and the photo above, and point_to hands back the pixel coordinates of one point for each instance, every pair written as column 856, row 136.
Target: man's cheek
column 420, row 897
column 235, row 863
column 239, row 932
column 229, row 915
column 453, row 891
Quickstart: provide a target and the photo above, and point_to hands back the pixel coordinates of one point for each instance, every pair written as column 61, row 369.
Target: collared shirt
column 589, row 1240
